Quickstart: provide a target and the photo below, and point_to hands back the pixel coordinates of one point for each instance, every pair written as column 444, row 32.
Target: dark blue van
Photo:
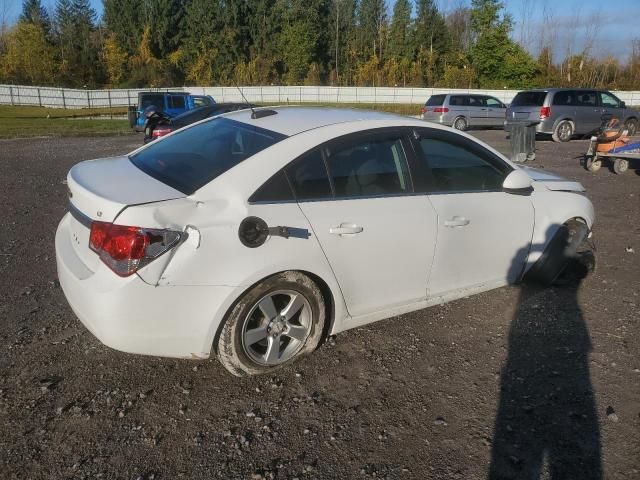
column 170, row 103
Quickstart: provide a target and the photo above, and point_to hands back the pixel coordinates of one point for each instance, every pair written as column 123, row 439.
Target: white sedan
column 257, row 233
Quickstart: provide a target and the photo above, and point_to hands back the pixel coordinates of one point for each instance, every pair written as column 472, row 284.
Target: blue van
column 170, row 103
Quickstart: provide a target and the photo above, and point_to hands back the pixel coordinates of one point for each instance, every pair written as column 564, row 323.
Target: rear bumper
column 439, row 119
column 130, row 315
column 544, row 127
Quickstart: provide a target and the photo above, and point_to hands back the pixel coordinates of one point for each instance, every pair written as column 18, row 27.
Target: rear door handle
column 457, row 222
column 345, row 229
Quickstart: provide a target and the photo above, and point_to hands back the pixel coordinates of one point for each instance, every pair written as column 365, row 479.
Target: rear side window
column 587, row 99
column 458, row 100
column 369, row 168
column 276, row 189
column 155, row 100
column 529, row 99
column 565, row 98
column 456, row 165
column 191, row 158
column 176, row 101
column 435, row 101
column 308, row 177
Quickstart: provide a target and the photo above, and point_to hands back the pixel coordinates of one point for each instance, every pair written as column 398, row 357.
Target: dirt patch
column 513, row 381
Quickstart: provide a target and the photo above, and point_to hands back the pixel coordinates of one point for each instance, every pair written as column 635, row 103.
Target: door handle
column 457, row 222
column 345, row 229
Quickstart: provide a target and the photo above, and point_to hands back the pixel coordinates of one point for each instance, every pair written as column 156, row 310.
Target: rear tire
column 273, row 324
column 563, row 131
column 461, row 124
column 620, row 165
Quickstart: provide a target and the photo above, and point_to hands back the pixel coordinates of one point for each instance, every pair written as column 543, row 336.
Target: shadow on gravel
column 547, row 424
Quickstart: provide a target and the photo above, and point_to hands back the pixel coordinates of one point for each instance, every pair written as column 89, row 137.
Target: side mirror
column 623, row 105
column 517, row 183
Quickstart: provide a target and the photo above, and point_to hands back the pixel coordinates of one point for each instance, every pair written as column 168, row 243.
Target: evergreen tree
column 400, row 31
column 126, row 20
column 33, row 12
column 342, row 38
column 498, row 60
column 371, row 19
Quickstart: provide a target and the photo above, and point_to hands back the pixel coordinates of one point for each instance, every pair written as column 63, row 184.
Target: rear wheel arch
column 323, row 286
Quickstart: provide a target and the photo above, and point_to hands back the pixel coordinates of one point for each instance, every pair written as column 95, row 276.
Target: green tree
column 371, row 18
column 29, row 58
column 342, row 38
column 33, row 12
column 126, row 20
column 399, row 46
column 431, row 40
column 498, row 60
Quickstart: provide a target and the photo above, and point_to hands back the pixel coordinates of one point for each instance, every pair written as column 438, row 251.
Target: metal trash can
column 522, row 136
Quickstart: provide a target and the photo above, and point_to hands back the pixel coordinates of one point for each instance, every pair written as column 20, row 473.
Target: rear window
column 435, row 100
column 157, row 100
column 190, row 159
column 529, row 99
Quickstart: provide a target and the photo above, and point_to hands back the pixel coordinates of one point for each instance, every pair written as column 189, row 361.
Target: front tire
column 273, row 324
column 563, row 131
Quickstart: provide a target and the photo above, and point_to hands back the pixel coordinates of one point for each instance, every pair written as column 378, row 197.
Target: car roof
column 291, row 120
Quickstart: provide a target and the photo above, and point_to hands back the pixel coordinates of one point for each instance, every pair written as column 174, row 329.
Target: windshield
column 529, row 99
column 189, row 159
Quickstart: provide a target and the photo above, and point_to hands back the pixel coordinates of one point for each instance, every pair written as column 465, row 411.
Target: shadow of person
column 547, row 424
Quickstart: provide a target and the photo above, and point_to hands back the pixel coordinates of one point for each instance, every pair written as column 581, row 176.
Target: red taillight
column 545, row 112
column 126, row 249
column 424, row 110
column 440, row 110
column 160, row 132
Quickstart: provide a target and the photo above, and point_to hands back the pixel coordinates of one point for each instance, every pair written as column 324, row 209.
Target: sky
column 608, row 28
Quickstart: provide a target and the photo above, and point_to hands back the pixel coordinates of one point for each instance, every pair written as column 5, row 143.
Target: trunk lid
column 553, row 181
column 100, row 190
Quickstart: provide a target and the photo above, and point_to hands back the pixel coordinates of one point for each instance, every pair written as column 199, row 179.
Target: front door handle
column 345, row 229
column 457, row 222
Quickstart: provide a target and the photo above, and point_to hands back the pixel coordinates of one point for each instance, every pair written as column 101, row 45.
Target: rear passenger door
column 378, row 236
column 478, row 110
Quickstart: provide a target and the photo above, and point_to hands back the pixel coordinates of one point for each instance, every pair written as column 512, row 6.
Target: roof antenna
column 256, row 114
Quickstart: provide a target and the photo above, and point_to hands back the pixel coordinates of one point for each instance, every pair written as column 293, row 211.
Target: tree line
column 155, row 43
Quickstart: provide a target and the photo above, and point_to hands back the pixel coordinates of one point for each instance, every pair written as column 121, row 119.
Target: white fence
column 273, row 95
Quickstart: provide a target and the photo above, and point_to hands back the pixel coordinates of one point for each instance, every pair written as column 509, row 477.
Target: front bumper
column 130, row 315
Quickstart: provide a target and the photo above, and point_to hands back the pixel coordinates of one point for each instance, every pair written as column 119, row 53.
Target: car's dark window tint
column 276, row 189
column 155, row 100
column 458, row 100
column 476, row 101
column 190, row 159
column 565, row 98
column 308, row 177
column 529, row 99
column 456, row 165
column 369, row 167
column 176, row 101
column 435, row 100
column 587, row 99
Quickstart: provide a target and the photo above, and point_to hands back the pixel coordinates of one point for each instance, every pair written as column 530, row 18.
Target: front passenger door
column 483, row 233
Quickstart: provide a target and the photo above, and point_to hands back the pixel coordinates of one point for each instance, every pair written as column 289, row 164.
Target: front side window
column 191, row 158
column 369, row 167
column 609, row 100
column 494, row 103
column 456, row 165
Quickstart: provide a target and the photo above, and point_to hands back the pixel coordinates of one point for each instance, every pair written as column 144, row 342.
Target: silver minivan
column 462, row 111
column 566, row 112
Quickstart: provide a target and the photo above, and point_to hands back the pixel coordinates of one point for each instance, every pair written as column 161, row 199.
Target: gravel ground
column 514, row 383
